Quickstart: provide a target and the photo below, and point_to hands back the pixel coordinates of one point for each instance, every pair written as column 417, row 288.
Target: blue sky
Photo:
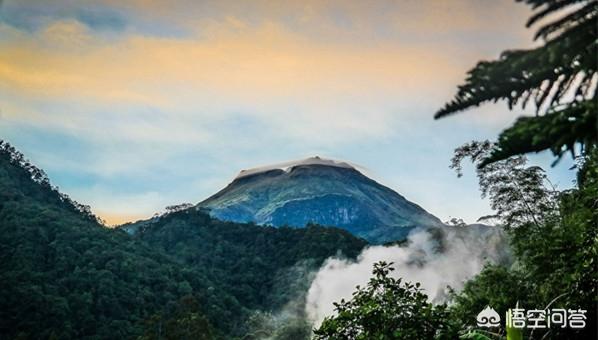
column 132, row 106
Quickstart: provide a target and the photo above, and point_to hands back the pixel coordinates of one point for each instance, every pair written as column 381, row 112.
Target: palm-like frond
column 562, row 72
column 558, row 132
column 536, row 72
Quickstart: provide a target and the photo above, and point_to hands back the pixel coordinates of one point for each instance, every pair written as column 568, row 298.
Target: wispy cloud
column 195, row 90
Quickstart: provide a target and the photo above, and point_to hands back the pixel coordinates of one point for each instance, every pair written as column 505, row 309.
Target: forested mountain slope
column 65, row 276
column 185, row 275
column 254, row 263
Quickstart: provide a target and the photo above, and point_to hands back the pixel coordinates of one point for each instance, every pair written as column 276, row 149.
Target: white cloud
column 463, row 256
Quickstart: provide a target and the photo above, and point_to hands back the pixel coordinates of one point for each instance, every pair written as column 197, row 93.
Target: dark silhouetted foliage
column 559, row 77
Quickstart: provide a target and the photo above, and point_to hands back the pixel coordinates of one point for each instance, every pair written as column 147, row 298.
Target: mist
column 436, row 258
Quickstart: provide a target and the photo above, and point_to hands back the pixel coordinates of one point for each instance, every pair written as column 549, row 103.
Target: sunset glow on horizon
column 132, row 106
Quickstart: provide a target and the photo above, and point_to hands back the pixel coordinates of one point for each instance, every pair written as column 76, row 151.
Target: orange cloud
column 264, row 62
column 268, row 68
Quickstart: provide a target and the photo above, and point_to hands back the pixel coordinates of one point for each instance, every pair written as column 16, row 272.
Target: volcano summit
column 322, row 191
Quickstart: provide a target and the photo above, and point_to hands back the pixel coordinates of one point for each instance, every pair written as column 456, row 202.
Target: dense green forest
column 264, row 268
column 251, row 262
column 66, row 276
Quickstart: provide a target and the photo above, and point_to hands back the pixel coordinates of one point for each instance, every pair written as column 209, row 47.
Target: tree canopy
column 387, row 308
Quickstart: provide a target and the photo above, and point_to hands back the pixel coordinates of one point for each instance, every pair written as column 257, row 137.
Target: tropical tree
column 554, row 236
column 387, row 308
column 558, row 77
column 518, row 194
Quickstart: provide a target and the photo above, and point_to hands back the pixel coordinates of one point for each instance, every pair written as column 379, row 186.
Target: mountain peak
column 287, row 166
column 321, row 191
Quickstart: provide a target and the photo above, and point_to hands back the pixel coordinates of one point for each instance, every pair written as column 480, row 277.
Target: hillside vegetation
column 66, row 276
